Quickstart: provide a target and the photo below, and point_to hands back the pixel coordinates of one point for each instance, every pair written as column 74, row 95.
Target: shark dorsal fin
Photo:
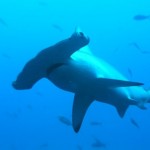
column 81, row 103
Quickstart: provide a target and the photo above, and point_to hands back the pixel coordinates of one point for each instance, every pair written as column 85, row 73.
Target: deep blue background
column 29, row 119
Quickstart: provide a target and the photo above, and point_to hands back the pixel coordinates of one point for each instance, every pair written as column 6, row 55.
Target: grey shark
column 90, row 79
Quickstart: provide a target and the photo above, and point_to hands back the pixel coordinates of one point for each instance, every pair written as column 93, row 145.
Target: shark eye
column 81, row 34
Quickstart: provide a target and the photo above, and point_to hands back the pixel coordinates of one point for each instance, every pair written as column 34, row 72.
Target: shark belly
column 83, row 71
column 71, row 77
column 75, row 76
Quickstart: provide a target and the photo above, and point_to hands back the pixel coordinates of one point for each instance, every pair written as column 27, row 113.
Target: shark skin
column 48, row 59
column 93, row 79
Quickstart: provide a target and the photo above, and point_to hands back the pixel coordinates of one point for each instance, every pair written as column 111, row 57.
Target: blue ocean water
column 30, row 119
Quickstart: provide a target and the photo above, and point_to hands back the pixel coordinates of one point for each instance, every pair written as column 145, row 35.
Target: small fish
column 57, row 27
column 95, row 123
column 141, row 17
column 5, row 55
column 98, row 143
column 65, row 120
column 3, row 22
column 139, row 48
column 134, row 123
column 145, row 52
column 135, row 45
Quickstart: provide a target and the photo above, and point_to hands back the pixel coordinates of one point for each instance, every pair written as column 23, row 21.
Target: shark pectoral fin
column 81, row 103
column 117, row 83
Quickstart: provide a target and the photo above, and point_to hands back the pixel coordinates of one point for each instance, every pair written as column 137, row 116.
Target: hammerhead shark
column 74, row 68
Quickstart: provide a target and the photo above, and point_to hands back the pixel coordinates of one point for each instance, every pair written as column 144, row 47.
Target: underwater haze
column 40, row 118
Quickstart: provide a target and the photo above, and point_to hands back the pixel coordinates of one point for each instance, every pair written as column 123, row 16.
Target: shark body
column 91, row 79
column 74, row 68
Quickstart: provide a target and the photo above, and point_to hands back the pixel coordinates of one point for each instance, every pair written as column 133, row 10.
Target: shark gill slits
column 53, row 67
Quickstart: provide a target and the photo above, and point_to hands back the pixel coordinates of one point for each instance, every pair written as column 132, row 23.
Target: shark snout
column 17, row 86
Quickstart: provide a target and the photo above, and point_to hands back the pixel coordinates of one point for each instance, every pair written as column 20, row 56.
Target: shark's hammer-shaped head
column 49, row 59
